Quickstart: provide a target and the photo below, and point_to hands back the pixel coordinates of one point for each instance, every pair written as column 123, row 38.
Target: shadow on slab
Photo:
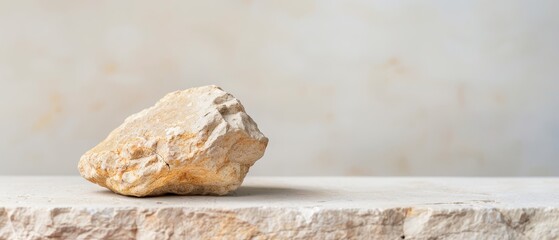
column 243, row 191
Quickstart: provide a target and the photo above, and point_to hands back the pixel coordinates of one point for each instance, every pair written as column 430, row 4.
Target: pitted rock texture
column 277, row 223
column 196, row 141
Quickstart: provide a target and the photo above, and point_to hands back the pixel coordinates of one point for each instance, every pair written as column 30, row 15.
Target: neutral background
column 339, row 87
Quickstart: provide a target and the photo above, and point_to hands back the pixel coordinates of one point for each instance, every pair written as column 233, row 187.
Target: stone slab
column 287, row 208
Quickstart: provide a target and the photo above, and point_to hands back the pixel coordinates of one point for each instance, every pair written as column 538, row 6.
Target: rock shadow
column 242, row 192
column 263, row 191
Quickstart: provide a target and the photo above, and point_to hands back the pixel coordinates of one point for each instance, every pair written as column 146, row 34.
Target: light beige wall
column 340, row 87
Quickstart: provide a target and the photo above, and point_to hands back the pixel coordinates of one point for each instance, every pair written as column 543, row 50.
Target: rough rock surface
column 196, row 141
column 269, row 223
column 288, row 208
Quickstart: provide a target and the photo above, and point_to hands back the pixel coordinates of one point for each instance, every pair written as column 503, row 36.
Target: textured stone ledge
column 288, row 208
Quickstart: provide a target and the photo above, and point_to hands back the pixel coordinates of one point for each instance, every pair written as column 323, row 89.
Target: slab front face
column 321, row 208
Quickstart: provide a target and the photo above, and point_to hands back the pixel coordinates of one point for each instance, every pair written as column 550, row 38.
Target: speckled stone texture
column 196, row 141
column 288, row 208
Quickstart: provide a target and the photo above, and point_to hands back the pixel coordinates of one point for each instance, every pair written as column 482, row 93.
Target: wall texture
column 340, row 87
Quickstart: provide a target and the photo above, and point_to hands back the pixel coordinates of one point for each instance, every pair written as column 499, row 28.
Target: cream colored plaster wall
column 340, row 87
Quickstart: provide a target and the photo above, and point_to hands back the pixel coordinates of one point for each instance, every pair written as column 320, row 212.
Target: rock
column 196, row 141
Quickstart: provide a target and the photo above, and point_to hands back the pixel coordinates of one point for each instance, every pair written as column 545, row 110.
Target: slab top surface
column 296, row 192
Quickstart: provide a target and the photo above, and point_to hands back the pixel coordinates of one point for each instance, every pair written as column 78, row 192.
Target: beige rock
column 196, row 141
